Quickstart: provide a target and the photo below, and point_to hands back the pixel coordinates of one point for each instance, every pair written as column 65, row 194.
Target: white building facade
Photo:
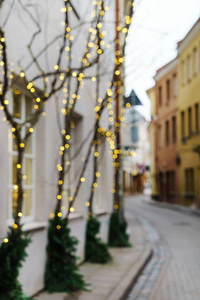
column 34, row 38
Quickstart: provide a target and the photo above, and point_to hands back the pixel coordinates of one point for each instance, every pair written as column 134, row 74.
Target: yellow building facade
column 152, row 138
column 189, row 117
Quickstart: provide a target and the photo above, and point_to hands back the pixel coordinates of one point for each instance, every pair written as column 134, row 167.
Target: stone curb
column 188, row 210
column 123, row 289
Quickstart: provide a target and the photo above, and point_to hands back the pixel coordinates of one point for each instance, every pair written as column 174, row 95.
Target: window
column 197, row 117
column 189, row 120
column 175, row 85
column 174, row 129
column 189, row 68
column 69, row 174
column 195, row 61
column 167, row 133
column 182, row 123
column 168, row 90
column 160, row 95
column 189, row 183
column 22, row 108
column 159, row 136
column 183, row 72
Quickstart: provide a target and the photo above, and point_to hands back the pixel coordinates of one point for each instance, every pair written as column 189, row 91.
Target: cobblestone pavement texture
column 111, row 281
column 178, row 239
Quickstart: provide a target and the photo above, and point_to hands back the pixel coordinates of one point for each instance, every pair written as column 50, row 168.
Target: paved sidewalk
column 113, row 280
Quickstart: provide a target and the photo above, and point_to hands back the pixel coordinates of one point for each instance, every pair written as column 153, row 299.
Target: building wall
column 189, row 140
column 166, row 142
column 47, row 135
column 152, row 139
column 135, row 142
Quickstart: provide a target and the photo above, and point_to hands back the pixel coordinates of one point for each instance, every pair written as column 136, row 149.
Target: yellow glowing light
column 95, row 184
column 128, row 104
column 31, row 129
column 63, row 9
column 96, row 154
column 44, row 114
column 68, row 163
column 71, row 209
column 125, row 30
column 19, row 166
column 87, row 204
column 67, row 137
column 109, row 92
column 93, row 78
column 15, row 226
column 70, row 198
column 22, row 145
column 38, row 100
column 60, row 182
column 113, row 191
column 58, row 227
column 116, row 206
column 20, row 214
column 97, row 108
column 52, row 215
column 59, row 167
column 13, row 129
column 99, row 25
column 59, row 214
column 59, row 197
column 6, row 102
column 56, row 67
column 36, row 106
column 22, row 74
column 6, row 240
column 82, row 179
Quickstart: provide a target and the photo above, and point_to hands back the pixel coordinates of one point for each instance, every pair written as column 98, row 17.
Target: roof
column 157, row 71
column 180, row 42
column 132, row 99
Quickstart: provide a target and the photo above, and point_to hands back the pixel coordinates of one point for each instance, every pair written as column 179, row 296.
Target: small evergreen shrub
column 12, row 254
column 61, row 273
column 96, row 250
column 117, row 231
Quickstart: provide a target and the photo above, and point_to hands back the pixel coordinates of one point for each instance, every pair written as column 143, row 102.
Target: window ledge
column 75, row 216
column 101, row 212
column 32, row 226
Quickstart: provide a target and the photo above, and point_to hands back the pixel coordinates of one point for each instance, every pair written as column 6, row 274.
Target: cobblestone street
column 174, row 271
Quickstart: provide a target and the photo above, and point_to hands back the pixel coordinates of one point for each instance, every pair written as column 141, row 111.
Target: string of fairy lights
column 96, row 45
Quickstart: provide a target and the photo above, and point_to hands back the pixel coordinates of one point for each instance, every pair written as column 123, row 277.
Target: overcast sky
column 156, row 28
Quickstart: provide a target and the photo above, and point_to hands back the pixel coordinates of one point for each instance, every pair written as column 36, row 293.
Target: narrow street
column 173, row 272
